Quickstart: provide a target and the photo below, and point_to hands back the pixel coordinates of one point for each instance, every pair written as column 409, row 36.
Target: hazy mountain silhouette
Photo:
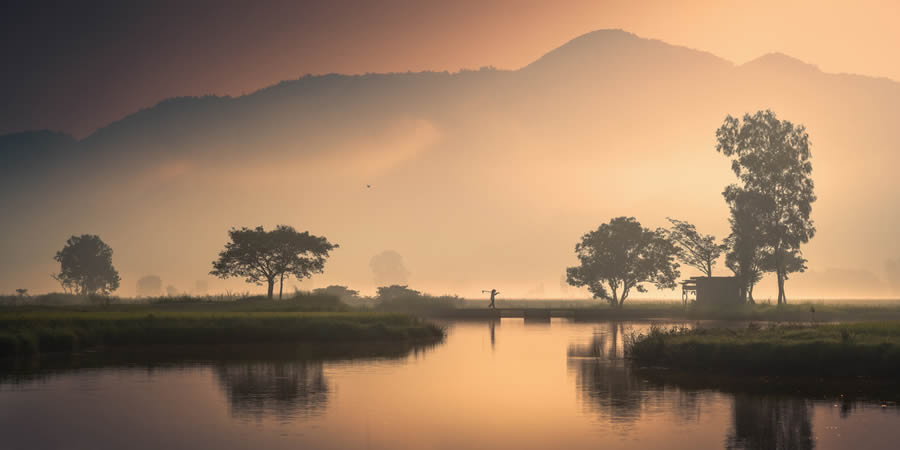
column 482, row 176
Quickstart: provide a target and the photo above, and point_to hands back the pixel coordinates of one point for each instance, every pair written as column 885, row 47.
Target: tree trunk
column 750, row 295
column 271, row 287
column 781, row 299
column 280, row 286
column 615, row 296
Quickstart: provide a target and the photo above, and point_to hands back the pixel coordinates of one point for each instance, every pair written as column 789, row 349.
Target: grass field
column 66, row 330
column 855, row 349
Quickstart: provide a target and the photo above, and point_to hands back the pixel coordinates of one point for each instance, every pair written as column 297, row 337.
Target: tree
column 622, row 255
column 261, row 256
column 694, row 249
column 747, row 255
column 86, row 266
column 149, row 286
column 342, row 292
column 396, row 291
column 771, row 157
column 388, row 268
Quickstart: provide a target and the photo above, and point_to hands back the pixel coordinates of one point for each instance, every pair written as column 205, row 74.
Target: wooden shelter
column 711, row 290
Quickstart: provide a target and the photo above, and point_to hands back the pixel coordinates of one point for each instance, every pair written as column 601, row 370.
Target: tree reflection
column 284, row 389
column 608, row 386
column 611, row 387
column 770, row 422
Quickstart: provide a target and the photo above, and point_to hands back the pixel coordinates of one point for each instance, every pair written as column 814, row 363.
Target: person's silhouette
column 494, row 293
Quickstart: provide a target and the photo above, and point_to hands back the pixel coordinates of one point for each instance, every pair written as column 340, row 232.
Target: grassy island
column 859, row 349
column 64, row 330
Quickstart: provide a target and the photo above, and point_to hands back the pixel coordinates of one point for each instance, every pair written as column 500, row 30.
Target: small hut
column 711, row 290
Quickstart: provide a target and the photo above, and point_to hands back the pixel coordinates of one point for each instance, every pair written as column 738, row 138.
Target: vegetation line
column 860, row 349
column 32, row 332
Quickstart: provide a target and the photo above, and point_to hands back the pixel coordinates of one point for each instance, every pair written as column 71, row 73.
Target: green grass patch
column 858, row 349
column 28, row 332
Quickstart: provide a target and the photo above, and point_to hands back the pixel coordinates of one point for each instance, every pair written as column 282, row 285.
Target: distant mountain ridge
column 509, row 165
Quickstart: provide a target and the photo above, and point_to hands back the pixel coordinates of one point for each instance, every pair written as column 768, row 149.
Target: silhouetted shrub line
column 48, row 331
column 859, row 349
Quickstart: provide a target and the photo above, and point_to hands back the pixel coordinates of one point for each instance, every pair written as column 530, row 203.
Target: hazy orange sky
column 78, row 67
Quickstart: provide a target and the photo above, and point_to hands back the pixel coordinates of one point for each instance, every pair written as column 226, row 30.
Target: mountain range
column 479, row 178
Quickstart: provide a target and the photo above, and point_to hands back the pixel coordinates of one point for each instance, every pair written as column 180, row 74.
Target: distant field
column 854, row 349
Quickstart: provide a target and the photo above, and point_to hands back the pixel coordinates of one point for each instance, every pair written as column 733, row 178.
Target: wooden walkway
column 548, row 313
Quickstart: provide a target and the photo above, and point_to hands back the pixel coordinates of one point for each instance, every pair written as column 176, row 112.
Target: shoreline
column 29, row 333
column 868, row 349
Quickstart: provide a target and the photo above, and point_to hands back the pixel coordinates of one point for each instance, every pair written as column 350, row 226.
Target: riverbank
column 60, row 330
column 857, row 349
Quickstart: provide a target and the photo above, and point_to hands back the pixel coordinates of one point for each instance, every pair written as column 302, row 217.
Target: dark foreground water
column 500, row 385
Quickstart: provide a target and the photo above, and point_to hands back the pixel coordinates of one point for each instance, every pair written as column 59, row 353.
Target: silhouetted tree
column 388, row 268
column 341, row 292
column 86, row 266
column 149, row 286
column 747, row 255
column 771, row 158
column 171, row 290
column 266, row 256
column 622, row 255
column 695, row 249
column 387, row 293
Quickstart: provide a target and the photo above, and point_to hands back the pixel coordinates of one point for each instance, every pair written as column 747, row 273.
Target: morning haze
column 413, row 224
column 475, row 177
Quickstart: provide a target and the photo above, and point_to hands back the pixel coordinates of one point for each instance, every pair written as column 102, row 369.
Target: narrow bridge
column 547, row 313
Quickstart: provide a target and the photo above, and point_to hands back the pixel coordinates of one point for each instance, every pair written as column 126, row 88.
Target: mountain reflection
column 284, row 389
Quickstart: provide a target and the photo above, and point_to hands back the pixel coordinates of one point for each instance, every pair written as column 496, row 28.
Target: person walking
column 494, row 293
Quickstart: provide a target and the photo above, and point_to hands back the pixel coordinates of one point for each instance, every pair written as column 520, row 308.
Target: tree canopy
column 771, row 158
column 342, row 292
column 747, row 254
column 621, row 256
column 262, row 257
column 86, row 266
column 695, row 249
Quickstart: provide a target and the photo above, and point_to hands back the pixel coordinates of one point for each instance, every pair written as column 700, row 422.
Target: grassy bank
column 859, row 349
column 61, row 330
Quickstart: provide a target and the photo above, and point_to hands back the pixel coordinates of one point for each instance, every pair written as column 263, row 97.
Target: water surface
column 490, row 385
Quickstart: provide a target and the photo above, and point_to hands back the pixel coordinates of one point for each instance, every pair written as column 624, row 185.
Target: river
column 490, row 385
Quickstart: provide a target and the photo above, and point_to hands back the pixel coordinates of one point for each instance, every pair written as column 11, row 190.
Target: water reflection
column 612, row 388
column 284, row 389
column 608, row 387
column 770, row 422
column 566, row 385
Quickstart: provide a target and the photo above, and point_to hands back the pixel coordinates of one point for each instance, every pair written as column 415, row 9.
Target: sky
column 77, row 66
column 480, row 179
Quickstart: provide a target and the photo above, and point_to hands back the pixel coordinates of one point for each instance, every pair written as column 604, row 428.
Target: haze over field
column 478, row 178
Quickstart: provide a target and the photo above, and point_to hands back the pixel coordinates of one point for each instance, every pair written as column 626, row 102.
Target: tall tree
column 86, row 266
column 697, row 250
column 621, row 256
column 747, row 256
column 771, row 157
column 262, row 257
